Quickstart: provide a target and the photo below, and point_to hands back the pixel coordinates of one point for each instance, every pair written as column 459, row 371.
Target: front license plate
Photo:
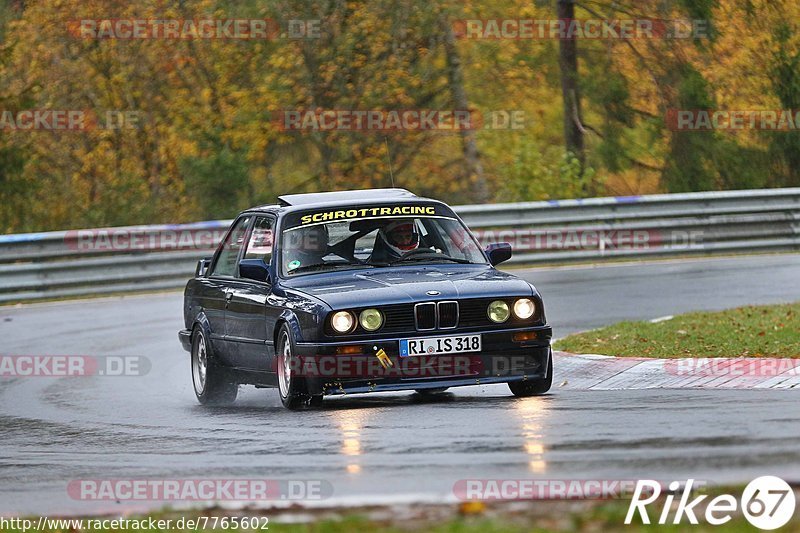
column 440, row 345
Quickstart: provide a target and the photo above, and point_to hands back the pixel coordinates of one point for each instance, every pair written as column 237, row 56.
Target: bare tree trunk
column 568, row 64
column 455, row 79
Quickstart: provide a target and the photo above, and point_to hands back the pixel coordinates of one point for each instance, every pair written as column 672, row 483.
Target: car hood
column 392, row 285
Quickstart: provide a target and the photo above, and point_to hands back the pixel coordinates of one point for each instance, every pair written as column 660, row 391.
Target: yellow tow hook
column 383, row 358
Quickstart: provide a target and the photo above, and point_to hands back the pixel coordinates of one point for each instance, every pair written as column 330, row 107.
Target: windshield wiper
column 322, row 266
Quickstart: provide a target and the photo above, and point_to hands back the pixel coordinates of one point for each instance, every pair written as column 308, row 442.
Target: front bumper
column 501, row 360
column 185, row 336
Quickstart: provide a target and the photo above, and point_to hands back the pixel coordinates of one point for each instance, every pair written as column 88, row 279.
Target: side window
column 259, row 246
column 226, row 262
column 456, row 241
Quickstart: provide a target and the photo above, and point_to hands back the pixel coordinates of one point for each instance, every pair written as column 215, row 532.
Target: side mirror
column 498, row 252
column 255, row 269
column 202, row 267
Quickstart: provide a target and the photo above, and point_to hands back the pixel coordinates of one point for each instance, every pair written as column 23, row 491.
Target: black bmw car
column 360, row 291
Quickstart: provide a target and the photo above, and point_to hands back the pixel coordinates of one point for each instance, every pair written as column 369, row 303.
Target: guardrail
column 66, row 264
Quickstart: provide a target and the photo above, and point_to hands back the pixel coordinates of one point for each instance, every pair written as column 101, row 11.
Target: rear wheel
column 534, row 387
column 292, row 386
column 212, row 383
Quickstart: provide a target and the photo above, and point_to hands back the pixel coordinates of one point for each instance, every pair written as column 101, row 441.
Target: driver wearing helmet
column 307, row 246
column 394, row 240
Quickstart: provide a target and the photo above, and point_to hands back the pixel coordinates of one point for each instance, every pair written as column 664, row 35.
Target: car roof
column 344, row 196
column 293, row 202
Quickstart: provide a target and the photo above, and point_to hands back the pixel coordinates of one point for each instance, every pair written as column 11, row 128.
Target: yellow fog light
column 498, row 311
column 370, row 319
column 524, row 308
column 342, row 321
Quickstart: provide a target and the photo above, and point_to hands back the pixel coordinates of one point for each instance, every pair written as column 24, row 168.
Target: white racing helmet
column 400, row 236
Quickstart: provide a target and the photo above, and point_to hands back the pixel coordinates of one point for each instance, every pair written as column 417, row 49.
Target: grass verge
column 763, row 331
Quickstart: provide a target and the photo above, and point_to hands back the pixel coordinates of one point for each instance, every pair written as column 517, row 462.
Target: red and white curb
column 601, row 372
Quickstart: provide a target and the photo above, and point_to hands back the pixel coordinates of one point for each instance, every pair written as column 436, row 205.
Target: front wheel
column 212, row 383
column 534, row 387
column 292, row 386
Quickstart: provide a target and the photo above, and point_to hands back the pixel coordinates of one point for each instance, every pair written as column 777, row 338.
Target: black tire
column 292, row 388
column 534, row 387
column 214, row 385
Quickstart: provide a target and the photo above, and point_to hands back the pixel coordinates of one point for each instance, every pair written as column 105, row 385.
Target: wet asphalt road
column 396, row 445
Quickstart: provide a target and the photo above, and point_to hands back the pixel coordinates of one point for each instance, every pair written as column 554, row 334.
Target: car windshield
column 376, row 243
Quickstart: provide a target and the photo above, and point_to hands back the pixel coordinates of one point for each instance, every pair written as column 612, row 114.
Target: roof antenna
column 389, row 158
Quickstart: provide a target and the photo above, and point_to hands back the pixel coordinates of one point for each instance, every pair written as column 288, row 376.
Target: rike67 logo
column 767, row 502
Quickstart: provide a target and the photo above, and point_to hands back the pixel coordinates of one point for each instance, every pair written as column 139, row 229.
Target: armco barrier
column 65, row 264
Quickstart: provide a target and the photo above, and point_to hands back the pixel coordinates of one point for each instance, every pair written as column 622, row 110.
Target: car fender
column 201, row 320
column 289, row 318
column 537, row 298
column 186, row 335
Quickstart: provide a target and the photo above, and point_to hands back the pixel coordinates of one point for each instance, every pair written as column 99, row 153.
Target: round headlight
column 370, row 319
column 342, row 321
column 524, row 308
column 498, row 311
